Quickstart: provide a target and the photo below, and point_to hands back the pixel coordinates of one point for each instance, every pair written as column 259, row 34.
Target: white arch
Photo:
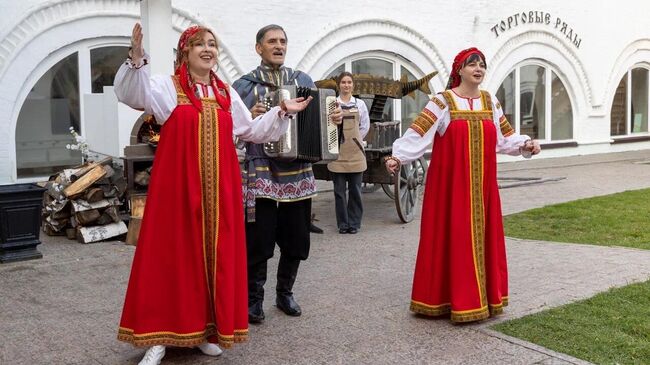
column 636, row 54
column 42, row 38
column 373, row 34
column 553, row 50
column 53, row 14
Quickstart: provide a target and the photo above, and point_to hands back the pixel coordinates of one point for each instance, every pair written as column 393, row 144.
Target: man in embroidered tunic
column 278, row 194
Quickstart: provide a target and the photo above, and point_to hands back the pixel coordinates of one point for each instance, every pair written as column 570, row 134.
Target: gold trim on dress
column 469, row 315
column 166, row 338
column 477, row 210
column 447, row 94
column 472, row 116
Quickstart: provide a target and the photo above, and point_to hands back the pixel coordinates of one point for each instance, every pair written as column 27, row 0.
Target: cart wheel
column 388, row 189
column 408, row 185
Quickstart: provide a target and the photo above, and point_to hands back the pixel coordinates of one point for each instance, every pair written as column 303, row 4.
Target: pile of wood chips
column 83, row 203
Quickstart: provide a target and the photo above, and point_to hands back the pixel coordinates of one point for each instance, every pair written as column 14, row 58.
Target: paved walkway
column 354, row 290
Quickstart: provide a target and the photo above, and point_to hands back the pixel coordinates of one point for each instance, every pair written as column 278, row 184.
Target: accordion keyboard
column 332, row 128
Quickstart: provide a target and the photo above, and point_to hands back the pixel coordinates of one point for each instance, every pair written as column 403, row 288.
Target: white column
column 157, row 28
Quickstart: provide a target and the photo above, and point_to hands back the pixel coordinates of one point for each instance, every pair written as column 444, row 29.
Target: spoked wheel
column 388, row 189
column 408, row 185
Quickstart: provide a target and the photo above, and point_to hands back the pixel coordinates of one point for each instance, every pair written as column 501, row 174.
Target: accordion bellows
column 311, row 135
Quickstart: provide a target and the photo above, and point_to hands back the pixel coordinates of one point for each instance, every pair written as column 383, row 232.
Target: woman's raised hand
column 137, row 51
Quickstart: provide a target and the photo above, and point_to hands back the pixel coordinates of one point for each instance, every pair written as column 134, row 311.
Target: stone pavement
column 354, row 289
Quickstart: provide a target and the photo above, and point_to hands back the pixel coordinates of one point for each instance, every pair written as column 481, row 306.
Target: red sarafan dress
column 461, row 263
column 188, row 281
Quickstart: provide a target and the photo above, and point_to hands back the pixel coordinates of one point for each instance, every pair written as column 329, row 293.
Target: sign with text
column 537, row 17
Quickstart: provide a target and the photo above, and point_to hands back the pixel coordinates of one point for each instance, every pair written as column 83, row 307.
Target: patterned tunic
column 265, row 177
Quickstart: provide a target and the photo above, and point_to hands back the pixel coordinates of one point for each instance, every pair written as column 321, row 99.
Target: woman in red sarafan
column 188, row 280
column 461, row 264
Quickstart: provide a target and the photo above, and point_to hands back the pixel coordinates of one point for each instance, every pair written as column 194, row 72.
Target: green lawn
column 611, row 327
column 621, row 219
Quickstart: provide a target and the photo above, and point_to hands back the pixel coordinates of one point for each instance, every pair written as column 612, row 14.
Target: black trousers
column 286, row 224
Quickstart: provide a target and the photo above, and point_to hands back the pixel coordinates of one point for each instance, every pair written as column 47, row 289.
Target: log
column 94, row 195
column 134, row 231
column 47, row 198
column 121, row 186
column 110, row 215
column 138, row 203
column 80, row 205
column 142, row 178
column 109, row 171
column 71, row 233
column 59, row 210
column 85, row 181
column 51, row 231
column 56, row 191
column 89, row 167
column 87, row 217
column 110, row 191
column 98, row 233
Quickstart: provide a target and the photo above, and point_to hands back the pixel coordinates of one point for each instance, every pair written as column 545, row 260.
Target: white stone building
column 574, row 74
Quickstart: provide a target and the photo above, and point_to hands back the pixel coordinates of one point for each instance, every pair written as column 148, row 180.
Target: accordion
column 311, row 135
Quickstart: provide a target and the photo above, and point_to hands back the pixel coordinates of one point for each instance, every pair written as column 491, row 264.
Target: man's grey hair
column 262, row 32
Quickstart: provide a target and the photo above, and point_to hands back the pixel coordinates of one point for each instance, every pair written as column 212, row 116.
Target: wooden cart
column 406, row 186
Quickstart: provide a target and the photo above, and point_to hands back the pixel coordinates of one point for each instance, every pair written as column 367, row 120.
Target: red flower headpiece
column 454, row 76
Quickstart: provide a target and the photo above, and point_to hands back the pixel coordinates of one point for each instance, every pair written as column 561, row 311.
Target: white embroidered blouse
column 157, row 95
column 412, row 145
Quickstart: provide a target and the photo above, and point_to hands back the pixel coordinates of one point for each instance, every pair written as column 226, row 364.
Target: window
column 629, row 113
column 393, row 67
column 532, row 107
column 55, row 103
column 42, row 132
column 104, row 63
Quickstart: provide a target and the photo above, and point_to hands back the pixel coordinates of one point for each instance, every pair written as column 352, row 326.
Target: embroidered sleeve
column 506, row 128
column 136, row 88
column 428, row 116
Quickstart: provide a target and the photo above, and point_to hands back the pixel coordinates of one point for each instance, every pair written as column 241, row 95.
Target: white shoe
column 210, row 349
column 153, row 356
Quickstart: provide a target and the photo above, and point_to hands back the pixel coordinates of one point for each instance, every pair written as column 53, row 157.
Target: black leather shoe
column 352, row 230
column 314, row 229
column 343, row 230
column 288, row 305
column 255, row 313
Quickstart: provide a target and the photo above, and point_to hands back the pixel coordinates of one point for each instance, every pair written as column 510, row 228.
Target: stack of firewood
column 83, row 203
